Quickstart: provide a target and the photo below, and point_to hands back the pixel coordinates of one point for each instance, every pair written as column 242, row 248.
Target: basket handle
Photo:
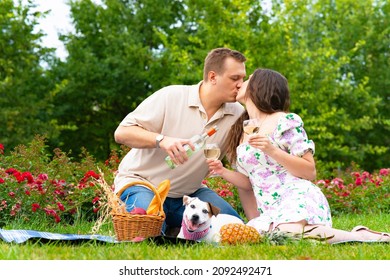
column 149, row 186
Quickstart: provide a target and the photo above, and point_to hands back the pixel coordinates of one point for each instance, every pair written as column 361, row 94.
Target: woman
column 276, row 164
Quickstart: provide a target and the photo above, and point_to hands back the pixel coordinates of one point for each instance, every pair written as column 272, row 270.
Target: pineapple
column 242, row 234
column 239, row 234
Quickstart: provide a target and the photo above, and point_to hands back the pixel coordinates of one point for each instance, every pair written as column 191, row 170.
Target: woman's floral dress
column 282, row 197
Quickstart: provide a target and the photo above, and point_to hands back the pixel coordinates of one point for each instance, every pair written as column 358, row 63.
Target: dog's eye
column 205, row 211
column 192, row 206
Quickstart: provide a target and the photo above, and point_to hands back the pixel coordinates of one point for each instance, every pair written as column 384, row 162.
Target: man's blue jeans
column 139, row 196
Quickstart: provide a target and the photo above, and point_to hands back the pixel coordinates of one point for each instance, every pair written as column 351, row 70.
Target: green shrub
column 358, row 191
column 36, row 186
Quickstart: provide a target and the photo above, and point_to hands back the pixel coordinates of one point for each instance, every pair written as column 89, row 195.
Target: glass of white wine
column 212, row 151
column 251, row 126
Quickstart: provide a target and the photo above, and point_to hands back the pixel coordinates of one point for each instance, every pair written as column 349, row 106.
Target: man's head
column 224, row 69
column 215, row 61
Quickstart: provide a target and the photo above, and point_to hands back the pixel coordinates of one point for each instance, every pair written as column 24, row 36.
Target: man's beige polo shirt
column 174, row 111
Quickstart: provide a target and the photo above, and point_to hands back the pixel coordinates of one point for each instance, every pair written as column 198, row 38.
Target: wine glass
column 251, row 126
column 212, row 151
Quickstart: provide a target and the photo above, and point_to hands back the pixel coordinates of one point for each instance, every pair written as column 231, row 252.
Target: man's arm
column 135, row 137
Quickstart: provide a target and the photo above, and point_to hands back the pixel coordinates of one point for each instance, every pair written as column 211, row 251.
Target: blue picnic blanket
column 20, row 236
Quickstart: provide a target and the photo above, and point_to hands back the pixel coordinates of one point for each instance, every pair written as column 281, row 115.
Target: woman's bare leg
column 332, row 235
column 343, row 236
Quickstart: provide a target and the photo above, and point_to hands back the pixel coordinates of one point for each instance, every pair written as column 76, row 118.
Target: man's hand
column 174, row 147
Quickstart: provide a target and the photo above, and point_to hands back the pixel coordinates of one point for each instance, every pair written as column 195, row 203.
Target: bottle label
column 170, row 162
column 198, row 141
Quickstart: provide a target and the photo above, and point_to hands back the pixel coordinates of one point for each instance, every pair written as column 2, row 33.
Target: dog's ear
column 186, row 200
column 214, row 210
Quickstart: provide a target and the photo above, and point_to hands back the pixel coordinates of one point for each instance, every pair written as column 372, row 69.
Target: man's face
column 241, row 92
column 231, row 80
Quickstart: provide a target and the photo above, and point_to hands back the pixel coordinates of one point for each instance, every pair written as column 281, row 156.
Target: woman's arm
column 249, row 203
column 303, row 167
column 236, row 178
column 243, row 184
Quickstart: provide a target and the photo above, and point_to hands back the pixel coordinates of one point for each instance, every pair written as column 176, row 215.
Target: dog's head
column 197, row 213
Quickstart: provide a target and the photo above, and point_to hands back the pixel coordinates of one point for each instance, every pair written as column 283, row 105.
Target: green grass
column 303, row 250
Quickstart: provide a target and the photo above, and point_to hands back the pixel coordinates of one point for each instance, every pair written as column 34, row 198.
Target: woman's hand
column 261, row 142
column 238, row 179
column 215, row 167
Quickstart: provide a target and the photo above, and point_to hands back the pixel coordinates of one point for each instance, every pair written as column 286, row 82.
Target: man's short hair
column 215, row 60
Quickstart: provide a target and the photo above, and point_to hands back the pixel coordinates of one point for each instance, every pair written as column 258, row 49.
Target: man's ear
column 212, row 77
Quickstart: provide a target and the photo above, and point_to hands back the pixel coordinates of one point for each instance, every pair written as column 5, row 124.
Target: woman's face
column 241, row 92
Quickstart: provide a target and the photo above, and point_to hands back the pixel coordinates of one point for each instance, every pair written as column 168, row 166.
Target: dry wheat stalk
column 110, row 204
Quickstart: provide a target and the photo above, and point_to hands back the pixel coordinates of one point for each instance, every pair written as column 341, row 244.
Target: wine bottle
column 198, row 141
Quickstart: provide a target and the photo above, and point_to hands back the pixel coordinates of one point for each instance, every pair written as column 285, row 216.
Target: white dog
column 202, row 221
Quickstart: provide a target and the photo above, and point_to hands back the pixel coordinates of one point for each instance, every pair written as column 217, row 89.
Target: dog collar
column 194, row 235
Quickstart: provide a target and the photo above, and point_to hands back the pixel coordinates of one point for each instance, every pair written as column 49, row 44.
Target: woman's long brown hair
column 269, row 92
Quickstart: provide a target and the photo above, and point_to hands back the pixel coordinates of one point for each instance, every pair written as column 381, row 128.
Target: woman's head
column 268, row 90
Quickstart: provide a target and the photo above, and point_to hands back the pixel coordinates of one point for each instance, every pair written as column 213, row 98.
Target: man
column 165, row 121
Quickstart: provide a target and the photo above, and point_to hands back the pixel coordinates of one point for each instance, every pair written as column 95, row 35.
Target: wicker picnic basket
column 128, row 226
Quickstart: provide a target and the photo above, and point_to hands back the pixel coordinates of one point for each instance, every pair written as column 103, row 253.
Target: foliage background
column 335, row 54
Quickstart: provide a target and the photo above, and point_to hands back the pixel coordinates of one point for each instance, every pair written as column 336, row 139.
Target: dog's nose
column 195, row 218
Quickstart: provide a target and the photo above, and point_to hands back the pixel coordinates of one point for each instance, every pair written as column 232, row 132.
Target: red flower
column 337, row 181
column 4, row 203
column 378, row 181
column 365, row 175
column 347, row 193
column 50, row 212
column 384, row 171
column 60, row 206
column 27, row 175
column 58, row 183
column 35, row 206
column 11, row 194
column 356, row 174
column 11, row 170
column 358, row 181
column 43, row 177
column 91, row 173
column 1, row 180
column 96, row 199
column 1, row 149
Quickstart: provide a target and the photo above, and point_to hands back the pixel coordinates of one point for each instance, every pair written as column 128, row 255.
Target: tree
column 337, row 68
column 113, row 64
column 24, row 88
column 318, row 46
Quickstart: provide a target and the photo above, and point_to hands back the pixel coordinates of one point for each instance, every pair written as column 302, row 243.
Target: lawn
column 152, row 250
